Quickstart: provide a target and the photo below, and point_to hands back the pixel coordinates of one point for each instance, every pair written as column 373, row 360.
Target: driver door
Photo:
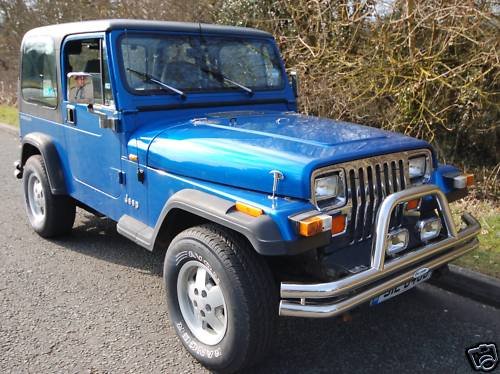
column 93, row 151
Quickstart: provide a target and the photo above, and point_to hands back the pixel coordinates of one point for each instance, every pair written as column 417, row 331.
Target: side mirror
column 106, row 120
column 294, row 82
column 80, row 88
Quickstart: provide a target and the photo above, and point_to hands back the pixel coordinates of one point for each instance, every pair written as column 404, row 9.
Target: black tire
column 248, row 288
column 58, row 213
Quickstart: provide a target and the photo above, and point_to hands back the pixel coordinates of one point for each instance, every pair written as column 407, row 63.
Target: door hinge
column 121, row 177
column 140, row 175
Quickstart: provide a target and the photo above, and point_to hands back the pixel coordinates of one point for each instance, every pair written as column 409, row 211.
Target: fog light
column 397, row 241
column 429, row 228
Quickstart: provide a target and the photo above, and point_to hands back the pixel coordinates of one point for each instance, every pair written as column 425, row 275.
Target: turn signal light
column 463, row 180
column 314, row 225
column 470, row 179
column 413, row 204
column 248, row 209
column 338, row 224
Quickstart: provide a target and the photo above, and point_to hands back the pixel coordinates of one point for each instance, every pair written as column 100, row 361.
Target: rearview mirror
column 80, row 88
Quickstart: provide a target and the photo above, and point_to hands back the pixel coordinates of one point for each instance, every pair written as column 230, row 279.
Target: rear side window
column 38, row 72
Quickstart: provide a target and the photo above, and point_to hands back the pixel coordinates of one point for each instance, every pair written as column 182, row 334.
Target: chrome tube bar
column 455, row 242
column 390, row 203
column 344, row 285
column 296, row 309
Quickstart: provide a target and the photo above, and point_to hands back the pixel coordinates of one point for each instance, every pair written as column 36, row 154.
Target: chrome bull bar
column 305, row 300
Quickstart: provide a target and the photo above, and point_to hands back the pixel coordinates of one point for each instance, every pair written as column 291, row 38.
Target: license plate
column 398, row 290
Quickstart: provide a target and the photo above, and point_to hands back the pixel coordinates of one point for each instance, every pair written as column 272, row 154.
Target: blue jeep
column 188, row 136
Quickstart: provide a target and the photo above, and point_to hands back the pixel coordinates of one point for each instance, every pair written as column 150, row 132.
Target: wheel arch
column 176, row 221
column 42, row 144
column 190, row 207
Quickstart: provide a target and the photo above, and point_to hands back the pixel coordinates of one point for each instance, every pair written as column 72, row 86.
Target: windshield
column 200, row 63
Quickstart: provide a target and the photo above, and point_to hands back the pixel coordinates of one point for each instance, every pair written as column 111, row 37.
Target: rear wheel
column 222, row 298
column 49, row 215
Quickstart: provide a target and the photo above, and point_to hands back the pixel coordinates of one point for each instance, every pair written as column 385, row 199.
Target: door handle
column 70, row 114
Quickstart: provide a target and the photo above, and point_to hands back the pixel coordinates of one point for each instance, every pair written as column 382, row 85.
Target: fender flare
column 46, row 146
column 262, row 232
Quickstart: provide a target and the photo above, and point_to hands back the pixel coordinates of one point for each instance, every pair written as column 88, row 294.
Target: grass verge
column 486, row 258
column 9, row 115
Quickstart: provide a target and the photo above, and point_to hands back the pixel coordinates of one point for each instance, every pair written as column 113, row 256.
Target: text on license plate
column 401, row 288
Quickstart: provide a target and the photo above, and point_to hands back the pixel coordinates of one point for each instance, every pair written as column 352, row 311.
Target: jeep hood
column 240, row 149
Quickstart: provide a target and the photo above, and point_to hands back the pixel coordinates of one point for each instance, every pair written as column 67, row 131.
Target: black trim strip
column 212, row 104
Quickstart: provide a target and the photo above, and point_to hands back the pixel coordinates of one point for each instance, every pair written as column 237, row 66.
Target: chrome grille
column 367, row 186
column 368, row 182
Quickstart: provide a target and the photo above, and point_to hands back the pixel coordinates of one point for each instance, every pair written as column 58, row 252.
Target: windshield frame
column 226, row 90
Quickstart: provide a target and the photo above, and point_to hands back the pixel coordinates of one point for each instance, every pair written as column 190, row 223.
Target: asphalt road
column 93, row 303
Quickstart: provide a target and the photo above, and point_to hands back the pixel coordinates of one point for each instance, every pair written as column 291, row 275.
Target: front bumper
column 333, row 298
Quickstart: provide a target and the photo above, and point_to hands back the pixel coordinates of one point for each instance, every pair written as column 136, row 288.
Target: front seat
column 182, row 74
column 92, row 66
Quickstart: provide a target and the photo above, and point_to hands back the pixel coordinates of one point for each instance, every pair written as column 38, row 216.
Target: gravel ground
column 93, row 303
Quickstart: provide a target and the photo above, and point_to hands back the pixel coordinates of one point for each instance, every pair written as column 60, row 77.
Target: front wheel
column 221, row 297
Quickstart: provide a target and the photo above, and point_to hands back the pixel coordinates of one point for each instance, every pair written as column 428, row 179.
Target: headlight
column 419, row 169
column 326, row 187
column 329, row 190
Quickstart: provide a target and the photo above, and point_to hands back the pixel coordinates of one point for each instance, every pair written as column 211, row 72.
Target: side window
column 88, row 56
column 38, row 71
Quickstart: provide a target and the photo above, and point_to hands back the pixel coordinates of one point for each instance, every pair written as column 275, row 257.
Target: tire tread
column 61, row 209
column 255, row 280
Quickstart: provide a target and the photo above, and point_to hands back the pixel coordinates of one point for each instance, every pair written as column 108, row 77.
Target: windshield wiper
column 221, row 76
column 149, row 78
